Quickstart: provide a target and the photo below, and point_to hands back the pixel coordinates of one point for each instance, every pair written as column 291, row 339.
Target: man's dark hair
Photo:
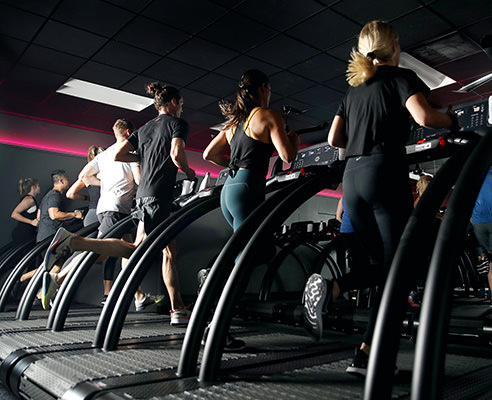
column 57, row 175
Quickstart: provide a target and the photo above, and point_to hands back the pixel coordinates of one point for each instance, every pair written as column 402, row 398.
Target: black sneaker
column 104, row 299
column 359, row 364
column 232, row 344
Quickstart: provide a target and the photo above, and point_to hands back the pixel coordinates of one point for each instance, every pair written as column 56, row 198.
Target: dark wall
column 20, row 162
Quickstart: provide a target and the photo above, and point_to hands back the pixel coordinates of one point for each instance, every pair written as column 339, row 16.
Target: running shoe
column 49, row 289
column 59, row 247
column 414, row 299
column 148, row 301
column 317, row 295
column 180, row 317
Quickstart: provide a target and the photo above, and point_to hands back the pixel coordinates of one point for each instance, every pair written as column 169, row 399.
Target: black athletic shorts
column 152, row 211
column 107, row 219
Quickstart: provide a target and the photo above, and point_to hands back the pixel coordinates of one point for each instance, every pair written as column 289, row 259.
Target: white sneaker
column 59, row 247
column 180, row 317
column 49, row 289
column 148, row 300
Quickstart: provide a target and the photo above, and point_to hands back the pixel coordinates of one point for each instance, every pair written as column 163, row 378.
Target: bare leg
column 107, row 286
column 170, row 276
column 105, row 247
column 60, row 277
column 365, row 348
column 27, row 275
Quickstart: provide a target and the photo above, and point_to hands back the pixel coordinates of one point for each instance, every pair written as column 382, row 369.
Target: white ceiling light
column 432, row 78
column 103, row 94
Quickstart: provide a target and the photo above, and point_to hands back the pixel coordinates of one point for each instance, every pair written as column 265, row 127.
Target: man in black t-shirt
column 159, row 147
column 51, row 214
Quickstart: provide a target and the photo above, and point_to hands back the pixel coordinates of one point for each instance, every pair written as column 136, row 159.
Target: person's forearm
column 20, row 218
column 64, row 216
column 126, row 157
column 92, row 180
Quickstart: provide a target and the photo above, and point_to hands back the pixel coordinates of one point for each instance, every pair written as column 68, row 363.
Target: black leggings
column 379, row 201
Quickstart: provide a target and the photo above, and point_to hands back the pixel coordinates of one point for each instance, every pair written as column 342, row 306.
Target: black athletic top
column 22, row 231
column 153, row 143
column 249, row 153
column 47, row 226
column 376, row 119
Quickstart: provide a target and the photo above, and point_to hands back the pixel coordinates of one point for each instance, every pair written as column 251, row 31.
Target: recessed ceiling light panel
column 105, row 95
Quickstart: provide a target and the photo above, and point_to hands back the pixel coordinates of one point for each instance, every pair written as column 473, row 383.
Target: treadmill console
column 319, row 154
column 472, row 116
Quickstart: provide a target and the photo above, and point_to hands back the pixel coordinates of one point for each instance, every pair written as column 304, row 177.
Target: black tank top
column 31, row 212
column 249, row 153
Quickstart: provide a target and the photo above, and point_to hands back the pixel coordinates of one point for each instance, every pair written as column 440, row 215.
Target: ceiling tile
column 92, row 15
column 126, row 57
column 11, row 48
column 234, row 69
column 460, row 14
column 325, row 30
column 194, row 100
column 150, row 35
column 175, row 72
column 467, row 67
column 31, row 83
column 285, row 83
column 215, row 84
column 19, row 24
column 188, row 15
column 138, row 84
column 51, row 60
column 132, row 5
column 319, row 96
column 342, row 51
column 44, row 7
column 282, row 51
column 237, row 32
column 478, row 30
column 103, row 75
column 280, row 14
column 365, row 11
column 339, row 83
column 412, row 31
column 203, row 54
column 69, row 40
column 320, row 68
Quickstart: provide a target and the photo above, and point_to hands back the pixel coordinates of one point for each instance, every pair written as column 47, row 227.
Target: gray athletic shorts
column 152, row 211
column 483, row 232
column 108, row 219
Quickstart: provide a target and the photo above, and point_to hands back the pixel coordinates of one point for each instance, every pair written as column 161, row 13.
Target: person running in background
column 26, row 212
column 93, row 190
column 51, row 210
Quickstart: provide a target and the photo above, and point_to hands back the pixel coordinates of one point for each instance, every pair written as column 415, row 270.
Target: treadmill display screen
column 320, row 154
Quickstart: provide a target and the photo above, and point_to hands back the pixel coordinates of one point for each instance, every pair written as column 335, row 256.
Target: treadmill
column 21, row 381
